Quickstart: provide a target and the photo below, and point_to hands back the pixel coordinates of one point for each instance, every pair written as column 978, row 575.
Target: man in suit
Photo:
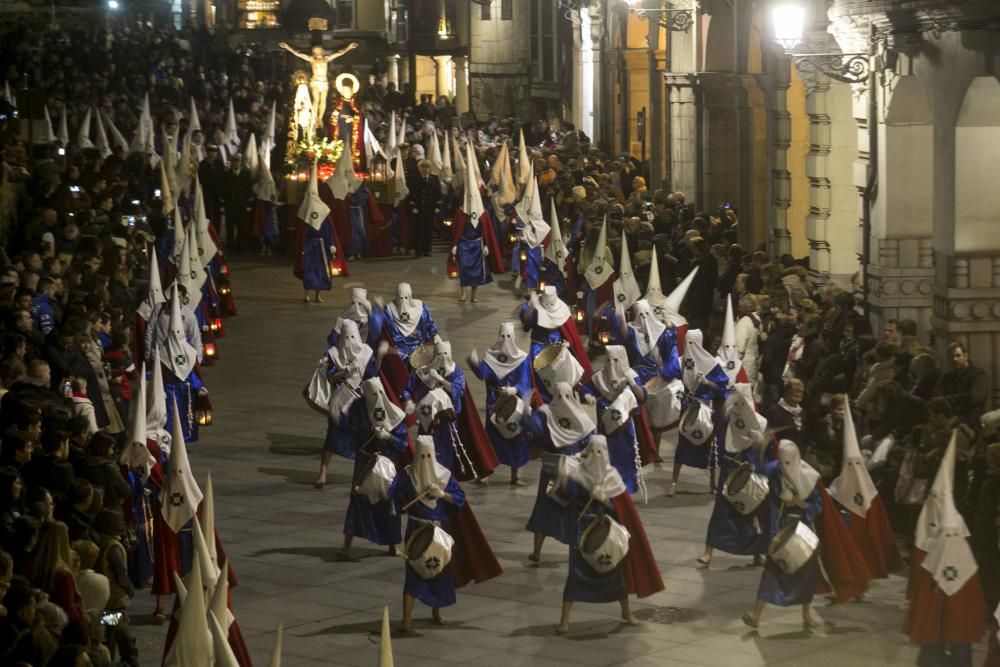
column 425, row 202
column 237, row 197
column 211, row 172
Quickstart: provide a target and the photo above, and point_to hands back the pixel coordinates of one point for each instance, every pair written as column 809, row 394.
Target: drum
column 555, row 363
column 422, row 356
column 793, row 547
column 696, row 423
column 341, row 400
column 618, row 412
column 745, row 490
column 557, row 493
column 604, row 544
column 664, row 401
column 375, row 478
column 506, row 416
column 428, row 550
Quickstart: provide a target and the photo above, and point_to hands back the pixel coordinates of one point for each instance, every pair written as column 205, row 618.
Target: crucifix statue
column 319, row 85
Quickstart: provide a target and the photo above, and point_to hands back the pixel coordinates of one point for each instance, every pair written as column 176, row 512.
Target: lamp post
column 789, row 19
column 670, row 18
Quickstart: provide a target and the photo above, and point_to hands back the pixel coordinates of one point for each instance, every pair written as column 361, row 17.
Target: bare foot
column 630, row 619
column 438, row 620
column 319, row 483
column 483, row 482
column 704, row 561
column 750, row 620
column 516, row 482
column 562, row 629
column 319, row 299
column 758, row 560
column 392, row 551
column 535, row 557
column 306, row 299
column 808, row 622
column 671, row 490
column 462, row 300
column 404, row 628
column 475, row 301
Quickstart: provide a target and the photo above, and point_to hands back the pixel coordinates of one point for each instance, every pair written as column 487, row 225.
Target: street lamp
column 788, row 19
column 113, row 5
column 674, row 20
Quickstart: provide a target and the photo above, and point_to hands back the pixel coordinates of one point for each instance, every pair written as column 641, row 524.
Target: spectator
column 965, row 386
column 51, row 571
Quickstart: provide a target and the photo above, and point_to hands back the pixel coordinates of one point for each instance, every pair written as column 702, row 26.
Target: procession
column 493, row 393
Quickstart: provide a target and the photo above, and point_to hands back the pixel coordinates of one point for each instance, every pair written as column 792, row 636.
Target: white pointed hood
column 501, row 179
column 854, row 488
column 194, row 123
column 565, row 419
column 250, row 157
column 176, row 352
column 391, row 142
column 799, row 477
column 434, row 153
column 193, row 645
column 671, row 305
column 232, row 135
column 599, row 269
column 49, row 129
column 447, row 172
column 529, row 210
column 504, row 356
column 626, row 288
column 381, row 411
column 472, row 205
column 224, row 656
column 351, row 352
column 616, row 370
column 117, row 138
column 136, row 455
column 209, row 570
column 433, row 403
column 425, row 469
column 167, row 192
column 207, row 520
column 399, row 180
column 525, row 169
column 269, row 136
column 154, row 296
column 697, row 362
column 312, row 210
column 371, row 144
column 405, row 310
column 219, row 604
column 556, row 251
column 207, row 250
column 344, row 181
column 728, row 356
column 939, row 511
column 156, row 408
column 552, row 312
column 461, row 165
column 648, row 329
column 745, row 426
column 181, row 495
column 63, row 128
column 83, row 132
column 102, row 145
column 191, row 272
column 595, row 472
column 276, row 653
column 385, row 642
column 142, row 142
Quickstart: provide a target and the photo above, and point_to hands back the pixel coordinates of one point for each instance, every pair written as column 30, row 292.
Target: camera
column 135, row 202
column 74, row 188
column 61, row 151
column 157, row 192
column 111, row 617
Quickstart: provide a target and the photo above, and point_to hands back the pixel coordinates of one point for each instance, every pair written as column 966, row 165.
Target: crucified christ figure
column 319, row 85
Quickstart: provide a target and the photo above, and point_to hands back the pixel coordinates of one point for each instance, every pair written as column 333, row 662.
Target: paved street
column 283, row 536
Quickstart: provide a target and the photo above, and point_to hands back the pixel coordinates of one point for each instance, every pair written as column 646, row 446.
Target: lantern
column 202, row 410
column 447, row 222
column 541, row 286
column 224, row 269
column 216, row 325
column 524, row 253
column 225, row 290
column 580, row 313
column 512, row 238
column 604, row 330
column 334, row 269
column 452, row 267
column 381, row 185
column 210, row 350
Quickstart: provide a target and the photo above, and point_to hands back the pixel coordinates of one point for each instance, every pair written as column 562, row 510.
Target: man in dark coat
column 237, row 198
column 425, row 202
column 965, row 387
column 211, row 173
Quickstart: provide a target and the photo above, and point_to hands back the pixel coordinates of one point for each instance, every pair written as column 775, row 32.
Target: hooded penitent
column 381, row 411
column 552, row 311
column 405, row 310
column 648, row 329
column 351, row 353
column 626, row 289
column 745, row 426
column 798, row 477
column 599, row 269
column 504, row 356
column 312, row 210
column 566, row 420
column 698, row 363
column 425, row 470
column 595, row 472
column 854, row 488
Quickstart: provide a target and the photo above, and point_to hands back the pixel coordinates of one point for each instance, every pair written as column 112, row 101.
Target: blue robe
column 514, row 452
column 646, row 365
column 532, row 266
column 698, row 456
column 405, row 345
column 548, row 517
column 473, row 269
column 728, row 529
column 140, row 518
column 622, row 445
column 439, row 592
column 553, row 276
column 357, row 203
column 184, row 392
column 446, row 432
column 379, row 523
column 583, row 584
column 776, row 587
column 540, row 338
column 340, row 438
column 316, row 257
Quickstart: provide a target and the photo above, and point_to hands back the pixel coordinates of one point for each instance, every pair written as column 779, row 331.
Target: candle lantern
column 541, row 286
column 209, row 348
column 580, row 313
column 202, row 411
column 604, row 330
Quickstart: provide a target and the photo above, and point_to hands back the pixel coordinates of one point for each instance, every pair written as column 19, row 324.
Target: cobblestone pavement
column 283, row 536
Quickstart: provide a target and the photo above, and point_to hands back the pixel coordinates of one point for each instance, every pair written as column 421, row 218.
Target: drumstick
column 585, row 508
column 412, row 502
column 354, row 484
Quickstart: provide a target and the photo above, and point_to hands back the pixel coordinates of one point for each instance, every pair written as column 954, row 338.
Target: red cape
column 472, row 558
column 477, row 443
column 843, row 561
column 405, row 219
column 568, row 331
column 489, row 237
column 379, row 229
column 642, row 574
column 300, row 239
column 340, row 212
column 644, row 436
column 873, row 535
column 933, row 618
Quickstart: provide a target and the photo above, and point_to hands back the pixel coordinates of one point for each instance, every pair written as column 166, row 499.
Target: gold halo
column 339, row 83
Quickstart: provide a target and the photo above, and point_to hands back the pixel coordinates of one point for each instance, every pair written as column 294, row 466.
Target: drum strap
column 640, row 477
column 456, row 442
column 426, row 521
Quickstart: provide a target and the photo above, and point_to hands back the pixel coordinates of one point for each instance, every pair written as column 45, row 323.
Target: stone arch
column 977, row 162
column 719, row 47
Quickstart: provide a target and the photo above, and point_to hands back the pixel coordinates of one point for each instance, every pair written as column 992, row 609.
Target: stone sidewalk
column 283, row 536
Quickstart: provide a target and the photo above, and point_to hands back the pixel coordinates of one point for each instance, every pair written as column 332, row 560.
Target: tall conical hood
column 939, row 511
column 117, row 139
column 460, row 165
column 177, row 353
column 434, row 154
column 525, row 169
column 391, row 143
column 103, row 146
column 250, row 157
column 166, row 191
column 529, row 210
column 142, row 142
column 156, row 409
column 676, row 298
column 276, row 653
column 180, row 495
column 344, row 181
column 190, row 271
column 194, row 123
column 556, row 250
column 447, row 173
column 154, row 296
column 399, row 177
column 193, row 645
column 501, row 178
column 270, row 137
column 473, row 204
column 207, row 250
column 312, row 210
column 83, row 133
column 135, row 455
column 63, row 128
column 474, row 166
column 626, row 288
column 182, row 171
column 232, row 135
column 727, row 348
column 854, row 488
column 50, row 132
column 599, row 269
column 371, row 144
column 207, row 519
column 209, row 570
column 654, row 292
column 224, row 656
column 385, row 645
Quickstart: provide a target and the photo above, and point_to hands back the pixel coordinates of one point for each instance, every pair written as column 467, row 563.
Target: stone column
column 442, row 75
column 817, row 167
column 394, row 70
column 461, row 83
column 780, row 239
column 682, row 91
column 597, row 54
column 583, row 74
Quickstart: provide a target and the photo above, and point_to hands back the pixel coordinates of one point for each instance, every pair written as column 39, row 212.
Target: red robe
column 875, row 538
column 300, row 239
column 933, row 618
column 472, row 558
column 405, row 220
column 642, row 574
column 473, row 435
column 843, row 561
column 644, row 436
column 380, row 230
column 490, row 241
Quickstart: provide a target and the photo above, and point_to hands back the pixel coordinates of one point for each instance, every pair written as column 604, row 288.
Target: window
column 345, row 14
column 484, row 10
column 506, row 10
column 544, row 34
